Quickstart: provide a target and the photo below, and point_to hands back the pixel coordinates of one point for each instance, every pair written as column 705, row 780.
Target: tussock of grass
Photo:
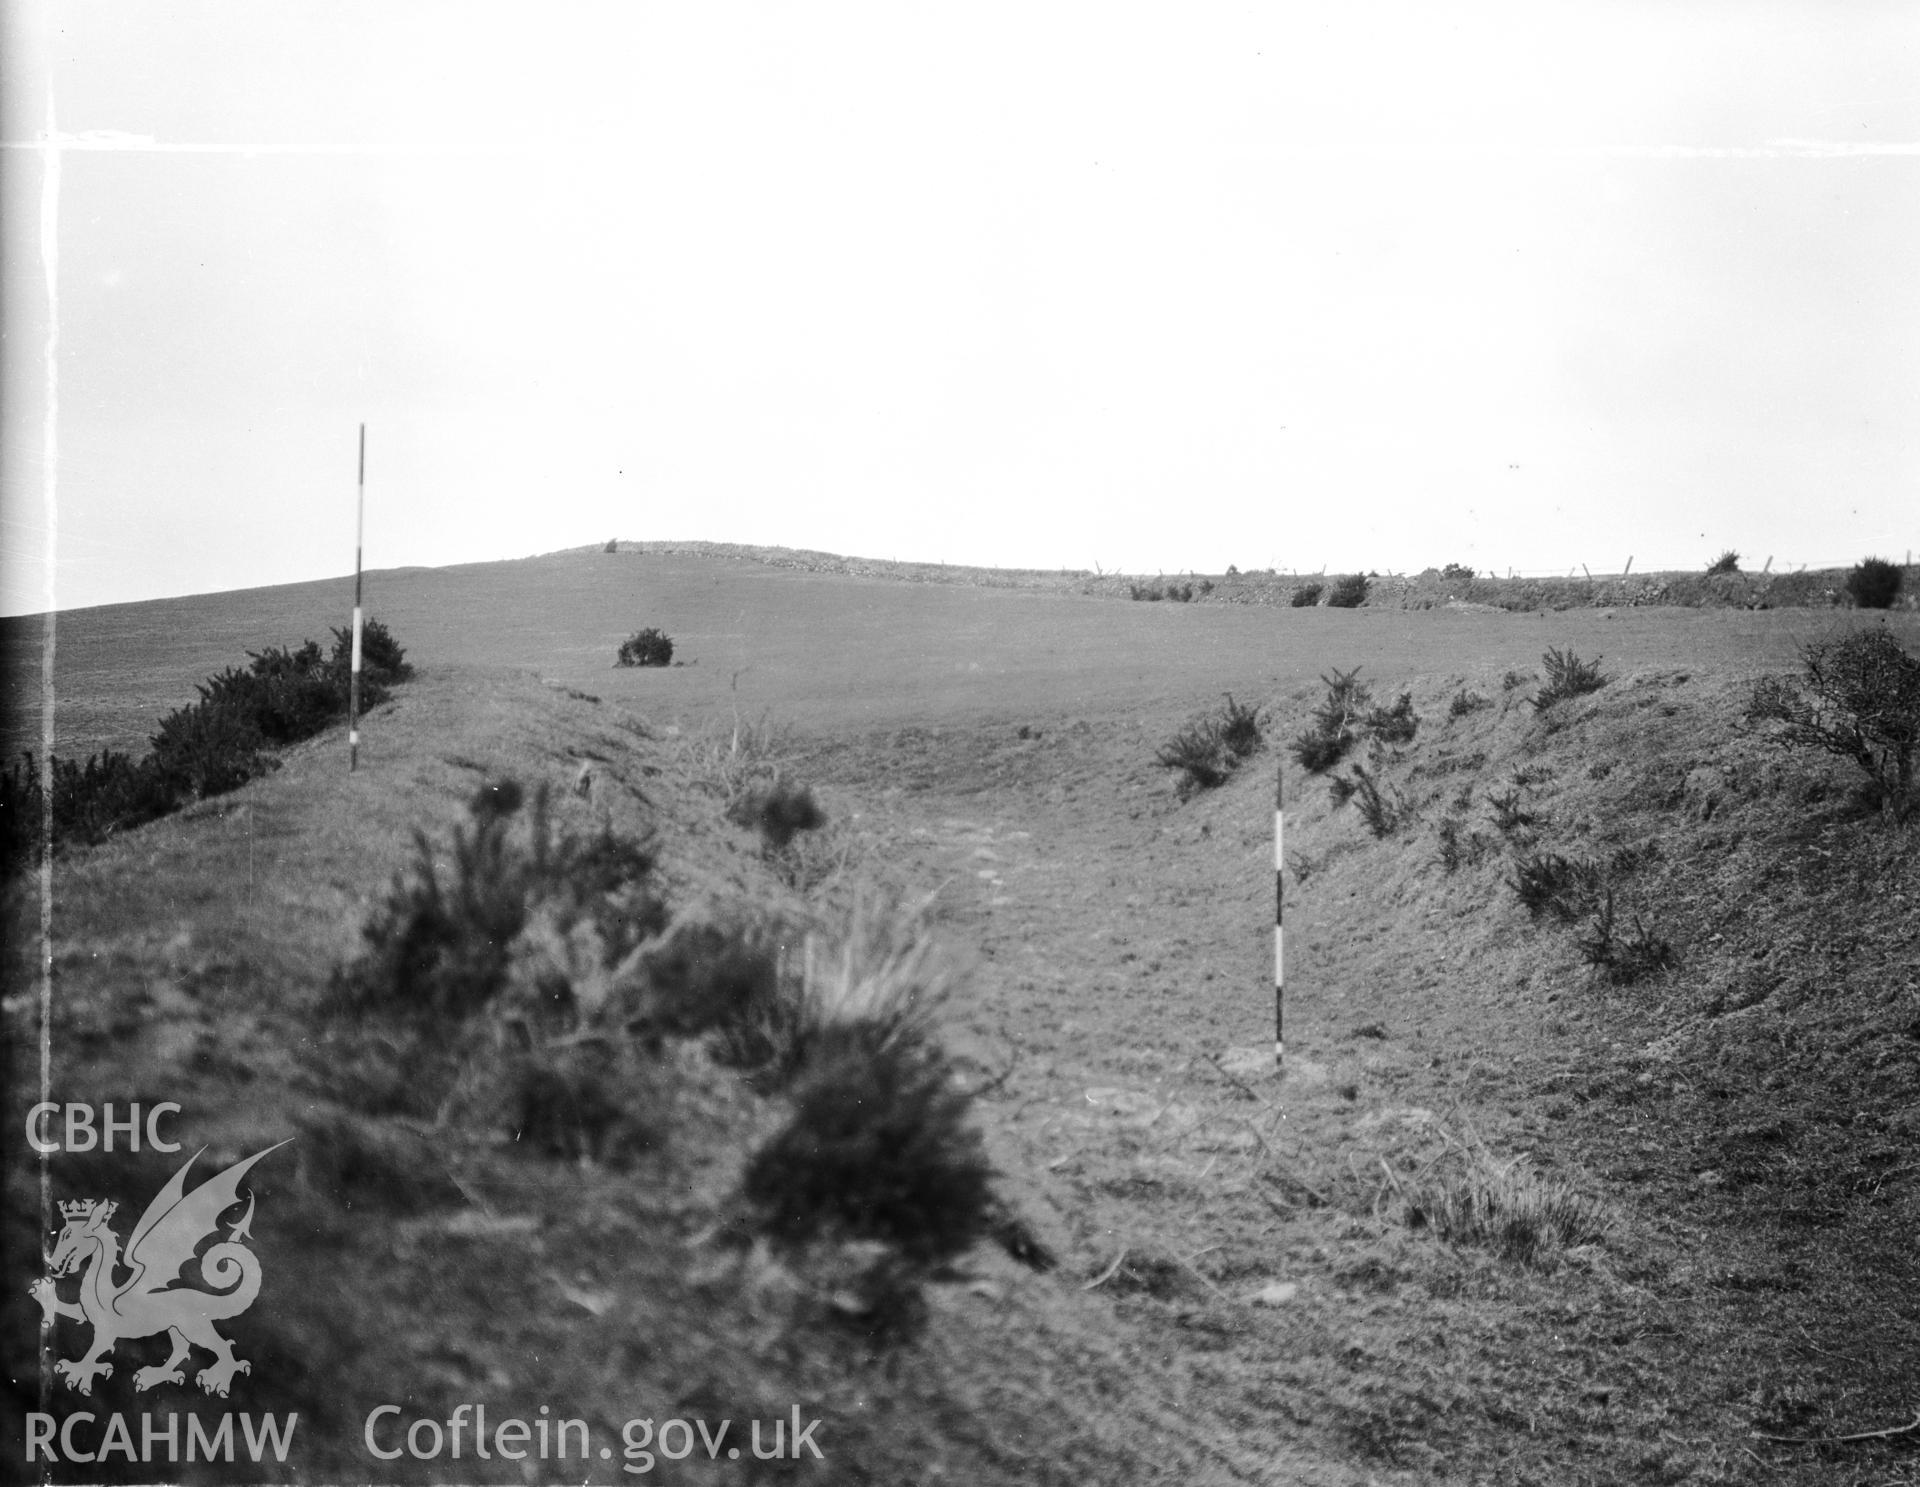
column 1469, row 1196
column 728, row 762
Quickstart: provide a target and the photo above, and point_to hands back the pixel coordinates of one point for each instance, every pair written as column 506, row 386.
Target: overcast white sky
column 1370, row 285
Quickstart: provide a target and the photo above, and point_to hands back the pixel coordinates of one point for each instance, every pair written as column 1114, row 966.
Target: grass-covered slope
column 441, row 1231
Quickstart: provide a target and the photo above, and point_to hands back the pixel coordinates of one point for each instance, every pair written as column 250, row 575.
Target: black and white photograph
column 1048, row 744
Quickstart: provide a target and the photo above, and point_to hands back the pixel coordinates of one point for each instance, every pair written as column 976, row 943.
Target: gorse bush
column 1307, row 595
column 1567, row 676
column 1383, row 813
column 778, row 810
column 1547, row 883
column 1874, row 583
column 878, row 1147
column 1208, row 751
column 1727, row 562
column 1396, row 724
column 1624, row 957
column 207, row 748
column 1335, row 722
column 438, row 951
column 647, row 647
column 1457, row 573
column 1349, row 592
column 1858, row 697
column 1465, row 702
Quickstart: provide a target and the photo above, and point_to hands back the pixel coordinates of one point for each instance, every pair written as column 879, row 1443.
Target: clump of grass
column 1874, row 583
column 1727, row 562
column 1465, row 702
column 1207, row 751
column 728, row 763
column 1624, row 957
column 1515, row 679
column 1307, row 595
column 1471, row 1197
column 649, row 647
column 1568, row 676
column 1858, row 697
column 1547, row 883
column 1349, row 592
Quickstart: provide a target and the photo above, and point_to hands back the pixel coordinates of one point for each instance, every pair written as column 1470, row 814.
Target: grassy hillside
column 1507, row 1218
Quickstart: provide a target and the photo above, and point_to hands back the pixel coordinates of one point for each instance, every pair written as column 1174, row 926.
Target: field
column 1505, row 1217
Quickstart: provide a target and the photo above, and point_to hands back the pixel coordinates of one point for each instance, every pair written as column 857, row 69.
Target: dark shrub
column 584, row 1101
column 1307, row 595
column 778, row 811
column 383, row 661
column 1349, row 592
column 1200, row 754
column 613, row 545
column 1396, row 724
column 1727, row 562
column 1874, row 583
column 1858, row 697
column 1624, row 959
column 646, row 648
column 1240, row 729
column 705, row 976
column 1465, row 702
column 1547, row 883
column 1568, row 676
column 207, row 749
column 1457, row 573
column 22, row 809
column 1335, row 722
column 1383, row 815
column 878, row 1147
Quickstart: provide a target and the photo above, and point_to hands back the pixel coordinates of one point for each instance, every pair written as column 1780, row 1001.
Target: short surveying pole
column 1279, row 913
column 353, row 690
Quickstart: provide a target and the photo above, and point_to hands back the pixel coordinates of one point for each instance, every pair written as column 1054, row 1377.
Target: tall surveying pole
column 1279, row 913
column 359, row 542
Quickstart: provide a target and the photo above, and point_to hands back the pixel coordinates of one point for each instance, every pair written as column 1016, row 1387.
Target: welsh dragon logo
column 152, row 1299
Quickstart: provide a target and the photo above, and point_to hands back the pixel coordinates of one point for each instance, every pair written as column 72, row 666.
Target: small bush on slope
column 878, row 1147
column 1208, row 751
column 779, row 811
column 1858, row 697
column 1307, row 595
column 1727, row 562
column 1874, row 583
column 649, row 647
column 1349, row 592
column 1567, row 676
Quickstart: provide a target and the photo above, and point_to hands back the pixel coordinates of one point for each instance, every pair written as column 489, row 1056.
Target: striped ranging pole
column 359, row 542
column 1279, row 913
